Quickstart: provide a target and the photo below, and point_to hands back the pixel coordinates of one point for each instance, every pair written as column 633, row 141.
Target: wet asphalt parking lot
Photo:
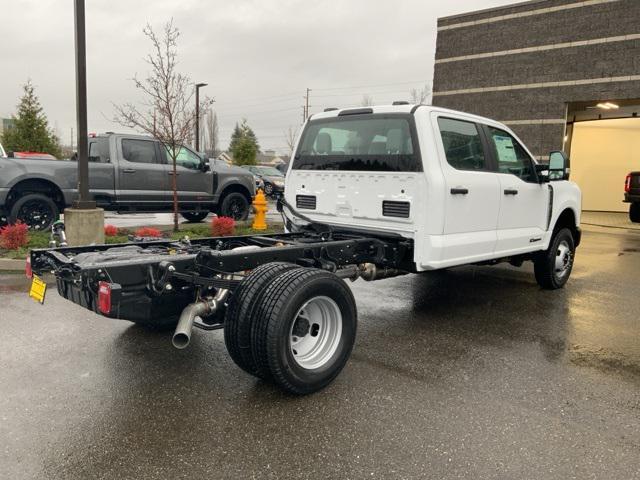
column 473, row 373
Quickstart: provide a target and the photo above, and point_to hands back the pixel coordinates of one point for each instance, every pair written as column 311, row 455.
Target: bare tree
column 420, row 96
column 212, row 132
column 367, row 101
column 167, row 112
column 290, row 139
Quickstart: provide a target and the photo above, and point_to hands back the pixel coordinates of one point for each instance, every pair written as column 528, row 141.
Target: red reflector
column 627, row 183
column 104, row 297
column 27, row 268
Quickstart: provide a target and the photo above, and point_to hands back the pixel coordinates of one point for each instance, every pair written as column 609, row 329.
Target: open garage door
column 603, row 152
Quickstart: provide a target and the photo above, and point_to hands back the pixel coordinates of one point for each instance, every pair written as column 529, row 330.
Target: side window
column 139, row 151
column 462, row 144
column 186, row 158
column 512, row 158
column 99, row 150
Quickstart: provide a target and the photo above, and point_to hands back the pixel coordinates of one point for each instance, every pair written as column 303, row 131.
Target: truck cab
column 464, row 188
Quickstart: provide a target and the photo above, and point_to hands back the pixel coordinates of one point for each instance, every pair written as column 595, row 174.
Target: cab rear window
column 382, row 143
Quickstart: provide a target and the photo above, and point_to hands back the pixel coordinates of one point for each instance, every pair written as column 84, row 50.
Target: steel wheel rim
column 563, row 259
column 35, row 215
column 315, row 332
column 268, row 189
column 235, row 209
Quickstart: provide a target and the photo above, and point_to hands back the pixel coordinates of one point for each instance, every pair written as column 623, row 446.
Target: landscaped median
column 13, row 258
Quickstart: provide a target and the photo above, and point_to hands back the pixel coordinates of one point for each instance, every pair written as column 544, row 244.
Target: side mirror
column 204, row 162
column 558, row 166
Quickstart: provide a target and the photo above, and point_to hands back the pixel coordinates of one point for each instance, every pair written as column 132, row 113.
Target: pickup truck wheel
column 234, row 205
column 35, row 210
column 304, row 329
column 194, row 217
column 634, row 212
column 242, row 306
column 553, row 267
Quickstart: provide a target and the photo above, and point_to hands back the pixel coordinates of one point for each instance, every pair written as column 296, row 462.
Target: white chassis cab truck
column 370, row 193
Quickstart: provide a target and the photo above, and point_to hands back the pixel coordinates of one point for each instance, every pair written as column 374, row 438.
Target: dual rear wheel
column 290, row 325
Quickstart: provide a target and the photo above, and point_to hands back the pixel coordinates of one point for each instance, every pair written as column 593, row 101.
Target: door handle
column 171, row 173
column 459, row 191
column 510, row 191
column 128, row 170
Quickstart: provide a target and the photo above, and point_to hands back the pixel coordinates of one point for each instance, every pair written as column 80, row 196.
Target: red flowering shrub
column 110, row 230
column 223, row 227
column 148, row 232
column 14, row 236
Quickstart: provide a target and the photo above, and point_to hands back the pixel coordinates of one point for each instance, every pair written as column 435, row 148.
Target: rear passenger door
column 524, row 202
column 143, row 175
column 472, row 197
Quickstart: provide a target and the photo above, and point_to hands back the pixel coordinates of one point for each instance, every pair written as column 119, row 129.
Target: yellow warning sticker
column 38, row 289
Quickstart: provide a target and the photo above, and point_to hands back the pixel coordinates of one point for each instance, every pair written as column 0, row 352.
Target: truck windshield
column 381, row 143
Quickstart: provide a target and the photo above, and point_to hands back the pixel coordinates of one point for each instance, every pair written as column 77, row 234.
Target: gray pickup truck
column 127, row 173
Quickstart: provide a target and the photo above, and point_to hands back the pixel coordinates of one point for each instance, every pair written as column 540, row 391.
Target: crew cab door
column 524, row 202
column 193, row 184
column 102, row 182
column 471, row 196
column 142, row 172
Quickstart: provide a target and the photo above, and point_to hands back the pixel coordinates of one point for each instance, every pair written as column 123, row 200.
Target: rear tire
column 304, row 330
column 634, row 212
column 553, row 267
column 242, row 306
column 194, row 217
column 234, row 205
column 35, row 210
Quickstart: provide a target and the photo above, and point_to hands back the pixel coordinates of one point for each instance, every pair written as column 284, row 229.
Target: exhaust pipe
column 182, row 335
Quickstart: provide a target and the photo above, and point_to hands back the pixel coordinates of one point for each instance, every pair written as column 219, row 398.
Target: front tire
column 194, row 217
column 553, row 267
column 234, row 205
column 35, row 210
column 634, row 212
column 268, row 189
column 304, row 330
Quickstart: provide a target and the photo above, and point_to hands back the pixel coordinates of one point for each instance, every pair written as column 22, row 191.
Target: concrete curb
column 12, row 264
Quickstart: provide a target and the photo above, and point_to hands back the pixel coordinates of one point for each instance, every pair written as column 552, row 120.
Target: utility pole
column 306, row 105
column 71, row 139
column 83, row 201
column 198, row 86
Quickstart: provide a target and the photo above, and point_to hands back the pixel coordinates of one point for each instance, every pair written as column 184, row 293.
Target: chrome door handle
column 128, row 170
column 171, row 173
column 510, row 191
column 459, row 191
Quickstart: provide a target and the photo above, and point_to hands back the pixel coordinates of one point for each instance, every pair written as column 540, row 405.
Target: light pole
column 198, row 86
column 83, row 201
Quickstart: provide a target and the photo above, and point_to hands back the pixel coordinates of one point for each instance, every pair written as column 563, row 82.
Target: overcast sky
column 258, row 56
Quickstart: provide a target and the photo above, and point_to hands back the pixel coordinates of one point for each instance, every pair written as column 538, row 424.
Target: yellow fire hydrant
column 260, row 209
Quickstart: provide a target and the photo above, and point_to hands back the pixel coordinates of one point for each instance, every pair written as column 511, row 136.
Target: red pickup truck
column 632, row 195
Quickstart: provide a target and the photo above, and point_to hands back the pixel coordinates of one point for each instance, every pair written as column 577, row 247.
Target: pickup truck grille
column 307, row 202
column 395, row 209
